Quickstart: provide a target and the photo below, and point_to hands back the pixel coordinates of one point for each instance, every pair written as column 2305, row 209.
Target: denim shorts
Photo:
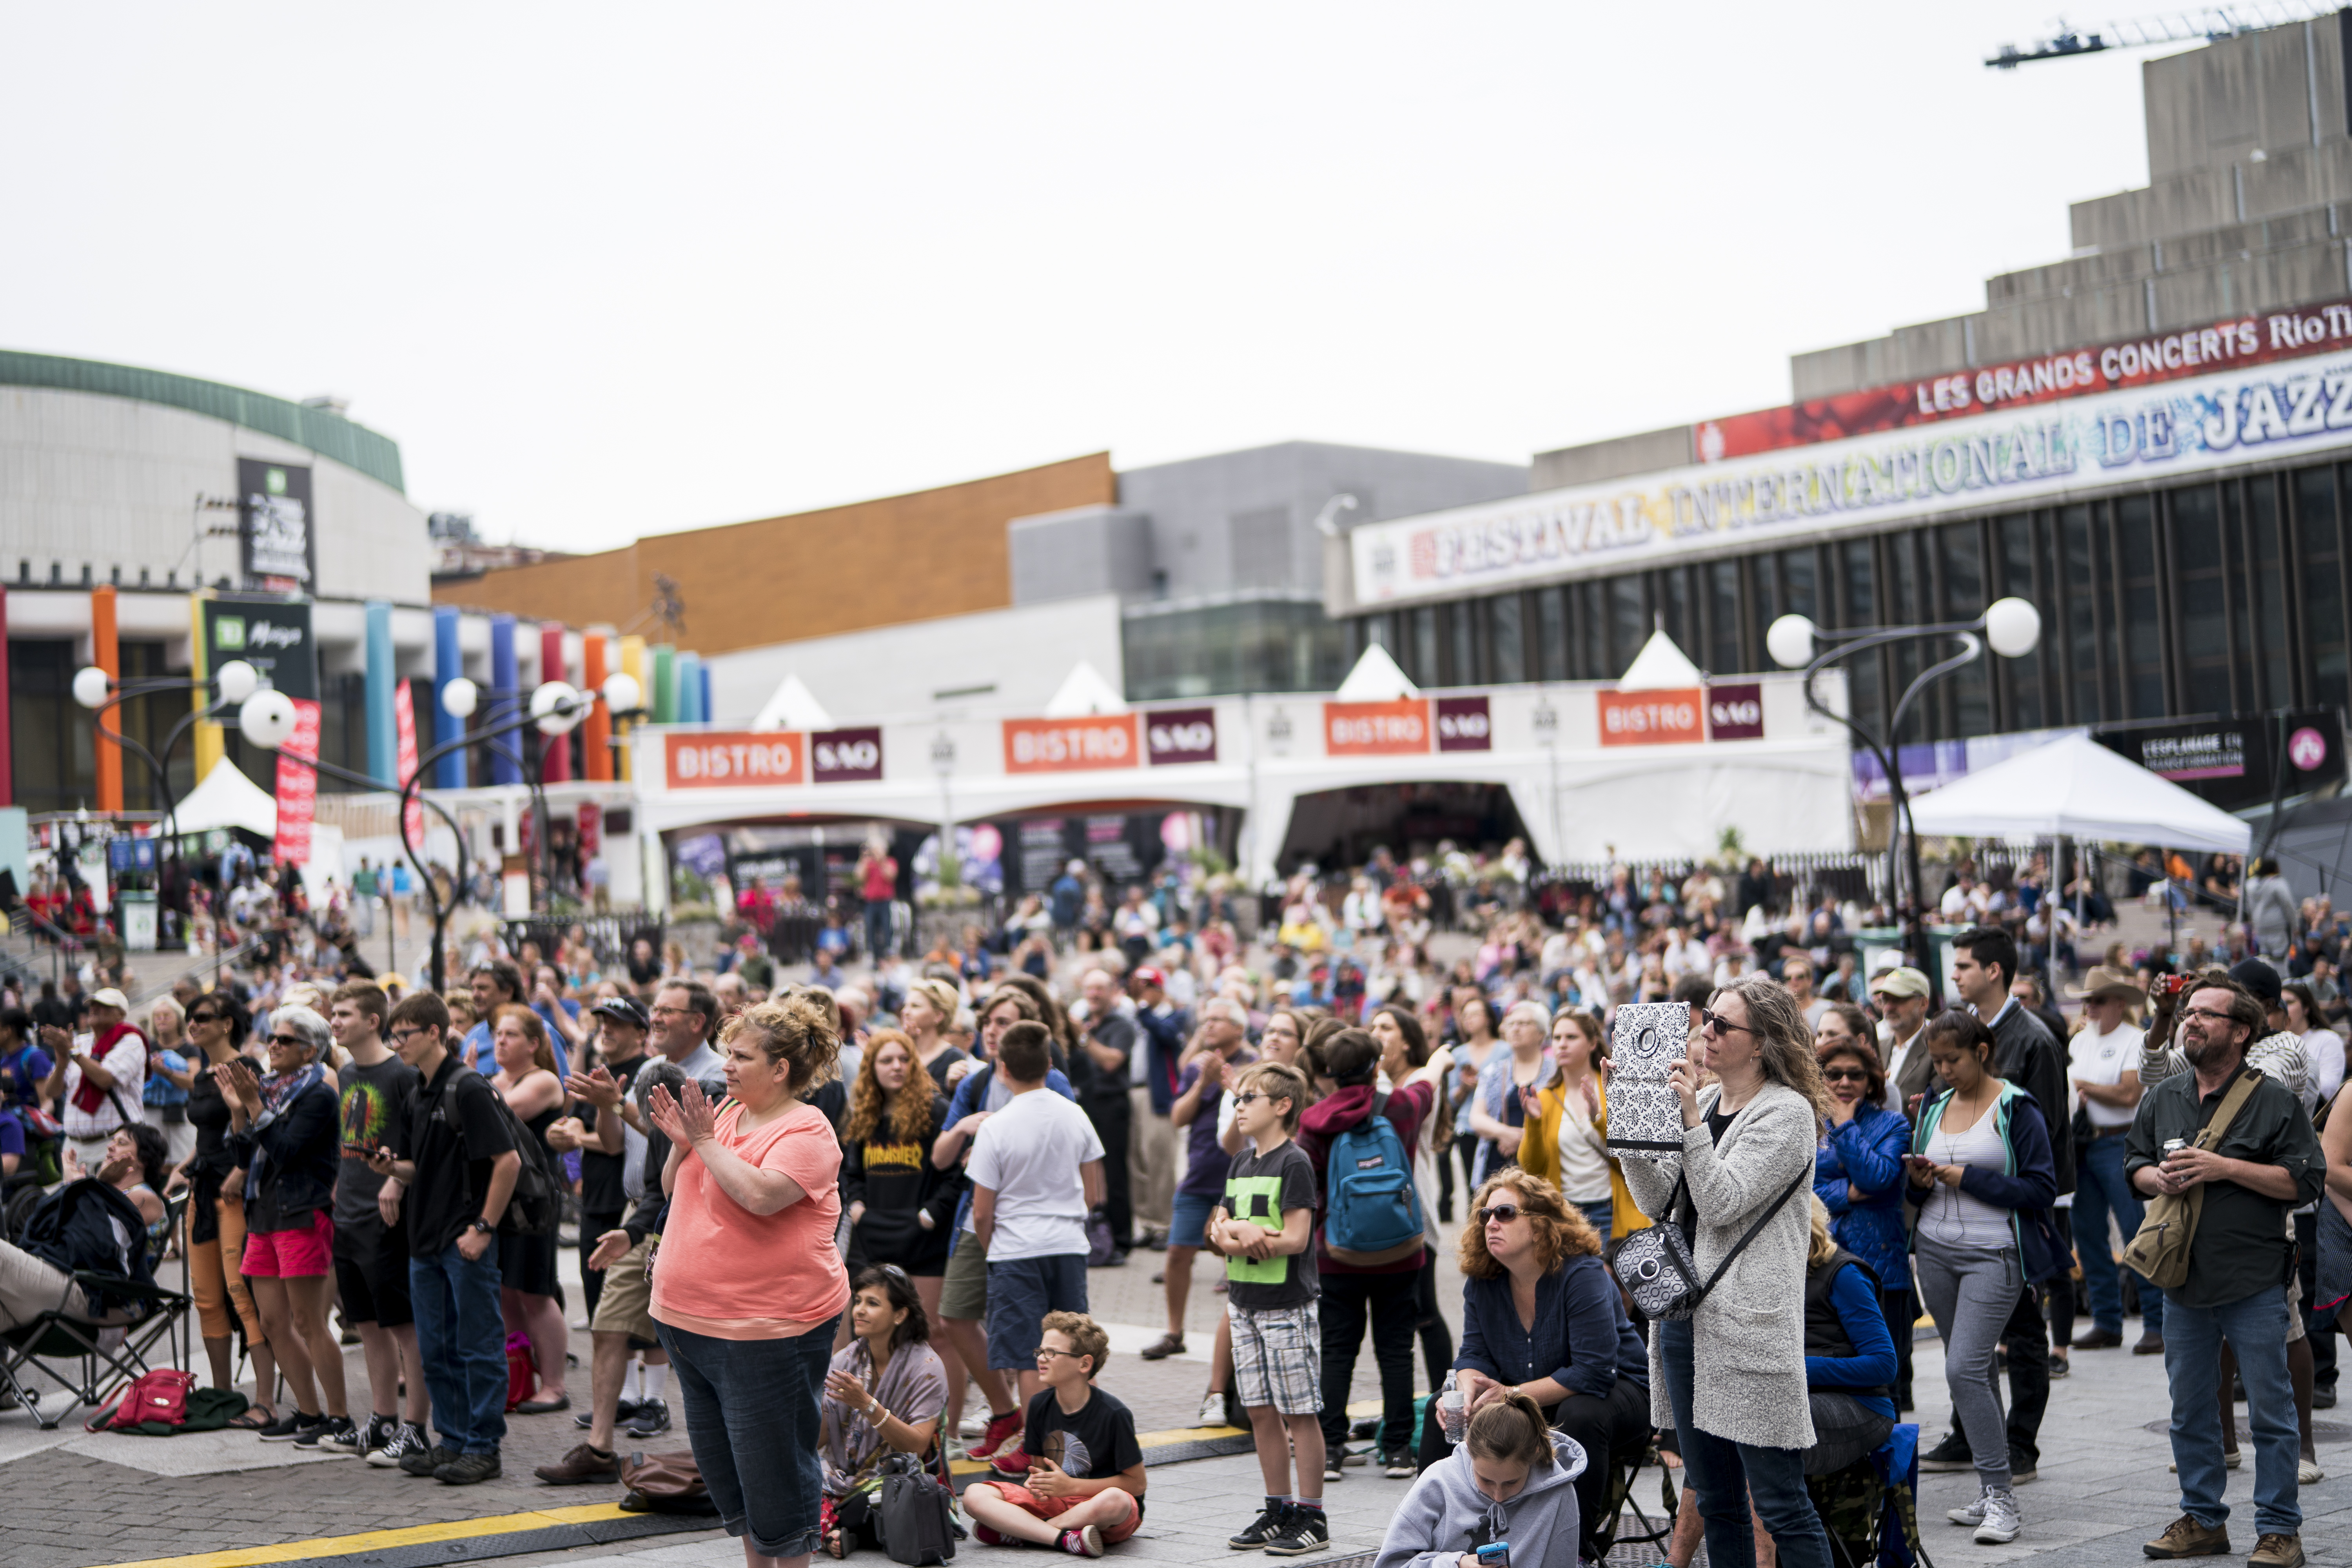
column 1020, row 1291
column 1188, row 1224
column 752, row 1413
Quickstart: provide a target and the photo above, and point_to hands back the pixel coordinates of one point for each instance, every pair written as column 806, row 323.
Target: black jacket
column 2026, row 1054
column 83, row 1226
column 897, row 1183
column 304, row 1145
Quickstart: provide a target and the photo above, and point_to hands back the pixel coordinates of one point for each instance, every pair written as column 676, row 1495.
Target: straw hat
column 2102, row 981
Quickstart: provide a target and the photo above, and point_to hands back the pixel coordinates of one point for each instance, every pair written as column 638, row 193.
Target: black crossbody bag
column 1656, row 1267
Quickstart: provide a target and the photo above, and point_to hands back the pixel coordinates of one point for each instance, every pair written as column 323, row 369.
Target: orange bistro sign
column 732, row 760
column 1376, row 728
column 1072, row 745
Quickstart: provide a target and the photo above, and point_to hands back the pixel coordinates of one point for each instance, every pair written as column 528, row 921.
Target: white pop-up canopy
column 227, row 799
column 2077, row 788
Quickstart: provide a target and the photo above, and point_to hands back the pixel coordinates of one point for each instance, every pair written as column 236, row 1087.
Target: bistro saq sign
column 735, row 759
column 1682, row 716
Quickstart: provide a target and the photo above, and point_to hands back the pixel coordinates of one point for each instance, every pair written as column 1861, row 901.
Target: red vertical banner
column 403, row 723
column 591, row 831
column 298, row 788
column 555, row 753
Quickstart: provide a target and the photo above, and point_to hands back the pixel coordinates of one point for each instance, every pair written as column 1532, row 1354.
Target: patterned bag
column 1656, row 1267
column 1646, row 1115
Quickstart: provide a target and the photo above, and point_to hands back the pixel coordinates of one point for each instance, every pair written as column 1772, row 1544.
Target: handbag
column 913, row 1514
column 664, row 1483
column 2159, row 1252
column 1657, row 1271
column 160, row 1394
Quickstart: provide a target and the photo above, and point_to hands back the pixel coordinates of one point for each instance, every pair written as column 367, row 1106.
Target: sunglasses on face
column 1717, row 1024
column 1506, row 1213
column 291, row 1042
column 1845, row 1075
column 1249, row 1097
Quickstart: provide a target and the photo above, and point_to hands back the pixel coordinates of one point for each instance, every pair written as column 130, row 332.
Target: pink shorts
column 291, row 1254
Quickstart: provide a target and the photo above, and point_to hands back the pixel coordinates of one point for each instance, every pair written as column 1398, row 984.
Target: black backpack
column 535, row 1203
column 914, row 1515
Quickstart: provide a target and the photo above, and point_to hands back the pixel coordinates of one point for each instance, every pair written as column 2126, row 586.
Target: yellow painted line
column 378, row 1539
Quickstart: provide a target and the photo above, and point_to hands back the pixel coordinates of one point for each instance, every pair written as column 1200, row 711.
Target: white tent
column 2077, row 788
column 1376, row 678
column 1083, row 691
column 227, row 799
column 793, row 707
column 1660, row 667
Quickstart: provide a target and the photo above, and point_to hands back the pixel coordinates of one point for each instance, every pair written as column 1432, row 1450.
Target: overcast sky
column 606, row 271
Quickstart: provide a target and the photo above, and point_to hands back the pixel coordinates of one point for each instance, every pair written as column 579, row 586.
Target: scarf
column 88, row 1096
column 278, row 1091
column 914, row 1388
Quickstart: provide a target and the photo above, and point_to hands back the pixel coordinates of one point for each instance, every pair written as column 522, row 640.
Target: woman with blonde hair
column 925, row 1016
column 1541, row 1315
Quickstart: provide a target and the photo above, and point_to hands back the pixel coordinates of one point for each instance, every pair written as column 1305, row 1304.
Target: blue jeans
column 461, row 1340
column 877, row 929
column 2100, row 1188
column 1600, row 1217
column 2255, row 1327
column 752, row 1413
column 1727, row 1476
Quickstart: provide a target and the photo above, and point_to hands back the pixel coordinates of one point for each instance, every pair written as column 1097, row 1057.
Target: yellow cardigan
column 1540, row 1154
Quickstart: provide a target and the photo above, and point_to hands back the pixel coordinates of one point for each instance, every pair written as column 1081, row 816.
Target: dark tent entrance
column 1340, row 827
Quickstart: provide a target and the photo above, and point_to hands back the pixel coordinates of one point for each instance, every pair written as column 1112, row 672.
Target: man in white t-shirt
column 99, row 1077
column 2103, row 1061
column 1036, row 1168
column 1902, row 997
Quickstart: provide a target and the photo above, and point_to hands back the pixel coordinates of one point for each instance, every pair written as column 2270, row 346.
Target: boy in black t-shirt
column 1085, row 1469
column 1265, row 1230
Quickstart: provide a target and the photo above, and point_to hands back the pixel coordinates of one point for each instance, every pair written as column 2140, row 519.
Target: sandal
column 254, row 1418
column 836, row 1547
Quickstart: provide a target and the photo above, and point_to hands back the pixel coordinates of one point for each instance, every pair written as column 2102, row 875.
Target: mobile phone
column 1494, row 1554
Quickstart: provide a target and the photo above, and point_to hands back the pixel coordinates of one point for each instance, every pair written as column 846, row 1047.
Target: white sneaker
column 1974, row 1514
column 1212, row 1409
column 2002, row 1519
column 2307, row 1473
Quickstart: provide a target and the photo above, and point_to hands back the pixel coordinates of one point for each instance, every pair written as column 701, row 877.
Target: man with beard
column 2266, row 1164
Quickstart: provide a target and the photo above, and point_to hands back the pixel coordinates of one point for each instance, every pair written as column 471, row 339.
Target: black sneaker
column 333, row 1434
column 400, row 1441
column 1332, row 1459
column 289, row 1427
column 467, row 1468
column 358, row 1441
column 425, row 1461
column 1397, row 1463
column 623, row 1413
column 1269, row 1523
column 1951, row 1454
column 653, row 1418
column 1305, row 1531
column 2020, row 1469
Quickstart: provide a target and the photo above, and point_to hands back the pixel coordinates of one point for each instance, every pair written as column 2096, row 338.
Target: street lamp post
column 96, row 690
column 2011, row 627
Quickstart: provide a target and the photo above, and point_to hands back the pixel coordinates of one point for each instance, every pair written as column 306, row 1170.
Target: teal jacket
column 2026, row 1184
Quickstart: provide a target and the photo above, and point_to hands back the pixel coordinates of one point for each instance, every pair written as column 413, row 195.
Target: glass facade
column 1254, row 645
column 2222, row 596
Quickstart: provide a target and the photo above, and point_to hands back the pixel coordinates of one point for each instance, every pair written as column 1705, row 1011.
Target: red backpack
column 522, row 1371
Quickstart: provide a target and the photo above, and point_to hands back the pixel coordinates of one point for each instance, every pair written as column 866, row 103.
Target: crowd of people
column 855, row 1219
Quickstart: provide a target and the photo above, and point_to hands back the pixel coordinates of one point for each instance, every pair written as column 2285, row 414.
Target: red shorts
column 1049, row 1508
column 291, row 1254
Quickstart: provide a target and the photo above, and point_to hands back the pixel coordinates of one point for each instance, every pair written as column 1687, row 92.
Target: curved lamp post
column 2011, row 627
column 232, row 684
column 266, row 719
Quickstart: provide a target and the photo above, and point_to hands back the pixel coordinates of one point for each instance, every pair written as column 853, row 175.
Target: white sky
column 604, row 272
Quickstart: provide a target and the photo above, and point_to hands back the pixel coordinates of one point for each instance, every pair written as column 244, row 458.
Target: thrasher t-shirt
column 1092, row 1443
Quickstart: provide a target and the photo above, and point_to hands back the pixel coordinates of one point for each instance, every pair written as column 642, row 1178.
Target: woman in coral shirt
column 747, row 1283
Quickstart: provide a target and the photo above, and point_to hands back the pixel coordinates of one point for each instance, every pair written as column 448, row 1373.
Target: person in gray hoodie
column 1512, row 1480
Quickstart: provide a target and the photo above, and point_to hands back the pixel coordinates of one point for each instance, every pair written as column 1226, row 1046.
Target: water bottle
column 1452, row 1418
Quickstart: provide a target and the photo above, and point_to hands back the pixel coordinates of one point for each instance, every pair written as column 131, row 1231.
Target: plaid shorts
column 1278, row 1358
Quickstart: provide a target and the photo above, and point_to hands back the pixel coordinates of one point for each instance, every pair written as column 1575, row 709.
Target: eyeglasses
column 1248, row 1096
column 1046, row 1351
column 204, row 1017
column 673, row 1013
column 1717, row 1024
column 1506, row 1213
column 1845, row 1075
column 294, row 1042
column 2206, row 1014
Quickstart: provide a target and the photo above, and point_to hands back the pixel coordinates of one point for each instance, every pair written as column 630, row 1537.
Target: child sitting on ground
column 1085, row 1487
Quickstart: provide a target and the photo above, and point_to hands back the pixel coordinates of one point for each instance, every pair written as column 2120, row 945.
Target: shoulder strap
column 1741, row 1245
column 2242, row 1090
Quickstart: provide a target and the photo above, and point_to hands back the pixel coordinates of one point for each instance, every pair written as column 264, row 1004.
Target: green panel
column 329, row 435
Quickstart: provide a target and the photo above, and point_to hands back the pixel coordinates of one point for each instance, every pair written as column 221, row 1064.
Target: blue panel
column 382, row 730
column 504, row 768
column 448, row 664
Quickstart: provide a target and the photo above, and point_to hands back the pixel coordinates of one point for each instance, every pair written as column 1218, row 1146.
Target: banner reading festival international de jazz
column 1968, row 463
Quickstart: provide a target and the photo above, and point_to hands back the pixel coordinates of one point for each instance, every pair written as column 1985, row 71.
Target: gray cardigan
column 1748, row 1340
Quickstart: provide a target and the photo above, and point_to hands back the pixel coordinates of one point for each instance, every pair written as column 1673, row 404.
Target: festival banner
column 404, row 724
column 846, row 756
column 1182, row 735
column 1734, row 713
column 1464, row 724
column 1072, row 745
column 1395, row 729
column 732, row 760
column 1651, row 718
column 297, row 787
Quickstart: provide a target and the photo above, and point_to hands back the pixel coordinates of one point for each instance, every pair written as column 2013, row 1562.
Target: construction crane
column 2207, row 23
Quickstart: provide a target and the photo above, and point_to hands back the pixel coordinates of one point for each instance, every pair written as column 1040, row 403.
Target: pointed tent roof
column 2077, row 788
column 227, row 799
column 793, row 707
column 1660, row 667
column 1376, row 678
column 1085, row 692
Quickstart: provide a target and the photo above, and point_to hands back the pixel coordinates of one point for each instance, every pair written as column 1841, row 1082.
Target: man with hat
column 603, row 1141
column 2102, row 1064
column 1901, row 993
column 100, row 1074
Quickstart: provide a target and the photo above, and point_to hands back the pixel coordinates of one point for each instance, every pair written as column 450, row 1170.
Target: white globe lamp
column 622, row 692
column 458, row 698
column 2013, row 627
column 1790, row 641
column 237, row 680
column 266, row 718
column 556, row 707
column 92, row 686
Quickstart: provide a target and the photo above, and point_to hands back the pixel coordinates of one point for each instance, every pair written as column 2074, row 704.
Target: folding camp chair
column 1623, row 1472
column 57, row 1343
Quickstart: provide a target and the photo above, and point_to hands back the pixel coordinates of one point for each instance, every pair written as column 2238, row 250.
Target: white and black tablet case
column 1646, row 1115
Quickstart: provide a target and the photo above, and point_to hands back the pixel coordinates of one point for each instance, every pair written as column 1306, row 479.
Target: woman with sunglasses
column 1542, row 1317
column 1730, row 1379
column 286, row 1133
column 883, row 1394
column 1858, row 1175
column 216, row 1213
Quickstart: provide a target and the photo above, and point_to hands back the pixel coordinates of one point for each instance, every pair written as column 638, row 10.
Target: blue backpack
column 1374, row 1215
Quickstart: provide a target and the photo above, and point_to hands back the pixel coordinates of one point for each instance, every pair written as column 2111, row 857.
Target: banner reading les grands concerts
column 2170, row 415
